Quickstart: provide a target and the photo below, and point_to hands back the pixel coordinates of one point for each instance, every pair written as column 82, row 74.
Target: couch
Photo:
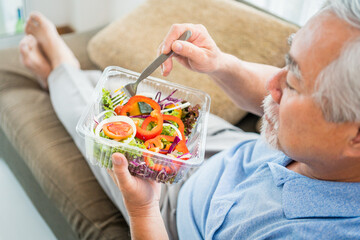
column 41, row 153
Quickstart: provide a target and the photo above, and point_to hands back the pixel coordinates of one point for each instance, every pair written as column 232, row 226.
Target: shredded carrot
column 119, row 89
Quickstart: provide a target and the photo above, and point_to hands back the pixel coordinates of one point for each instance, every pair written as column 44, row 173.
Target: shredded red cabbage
column 158, row 95
column 139, row 116
column 139, row 168
column 168, row 98
column 174, row 144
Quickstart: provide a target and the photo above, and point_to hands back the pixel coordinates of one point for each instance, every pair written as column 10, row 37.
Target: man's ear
column 356, row 139
column 354, row 145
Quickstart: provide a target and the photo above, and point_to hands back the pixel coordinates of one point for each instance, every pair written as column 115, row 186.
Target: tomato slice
column 117, row 130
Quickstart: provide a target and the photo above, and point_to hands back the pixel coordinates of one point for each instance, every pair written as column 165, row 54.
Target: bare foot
column 33, row 59
column 50, row 41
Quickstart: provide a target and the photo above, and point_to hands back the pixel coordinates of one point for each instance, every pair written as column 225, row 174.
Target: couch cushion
column 30, row 123
column 132, row 42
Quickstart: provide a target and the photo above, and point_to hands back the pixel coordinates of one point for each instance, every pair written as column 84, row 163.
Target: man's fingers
column 122, row 175
column 174, row 33
column 186, row 49
column 166, row 67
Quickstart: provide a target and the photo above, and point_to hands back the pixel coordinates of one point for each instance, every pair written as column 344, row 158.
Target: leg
column 42, row 49
column 32, row 58
column 70, row 88
column 49, row 40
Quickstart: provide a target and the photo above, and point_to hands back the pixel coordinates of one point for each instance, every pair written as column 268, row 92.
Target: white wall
column 88, row 14
column 299, row 11
column 83, row 15
column 58, row 11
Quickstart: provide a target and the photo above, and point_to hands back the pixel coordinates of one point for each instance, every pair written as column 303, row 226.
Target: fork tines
column 119, row 98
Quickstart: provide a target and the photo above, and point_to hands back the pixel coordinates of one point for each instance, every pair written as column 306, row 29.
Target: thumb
column 121, row 172
column 186, row 49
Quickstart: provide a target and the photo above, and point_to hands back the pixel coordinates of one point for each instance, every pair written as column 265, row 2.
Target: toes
column 31, row 41
column 36, row 16
column 25, row 55
column 39, row 26
column 33, row 23
column 39, row 20
column 24, row 45
column 28, row 43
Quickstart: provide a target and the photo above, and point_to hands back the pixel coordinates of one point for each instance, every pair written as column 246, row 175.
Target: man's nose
column 274, row 85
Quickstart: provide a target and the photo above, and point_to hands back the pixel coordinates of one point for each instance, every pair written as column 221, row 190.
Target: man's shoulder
column 253, row 153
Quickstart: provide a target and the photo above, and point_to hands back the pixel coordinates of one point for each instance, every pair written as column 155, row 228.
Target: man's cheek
column 290, row 123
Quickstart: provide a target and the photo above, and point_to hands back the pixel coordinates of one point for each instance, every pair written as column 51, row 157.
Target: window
column 12, row 17
column 296, row 11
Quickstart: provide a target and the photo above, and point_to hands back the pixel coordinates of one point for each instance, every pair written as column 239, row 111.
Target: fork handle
column 160, row 59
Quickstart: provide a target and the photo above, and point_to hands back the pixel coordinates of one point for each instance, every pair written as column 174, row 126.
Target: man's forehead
column 318, row 43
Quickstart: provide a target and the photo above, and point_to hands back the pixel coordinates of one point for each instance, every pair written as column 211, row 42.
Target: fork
column 129, row 90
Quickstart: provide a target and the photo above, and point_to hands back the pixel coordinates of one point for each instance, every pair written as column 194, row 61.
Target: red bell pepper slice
column 154, row 143
column 181, row 147
column 143, row 133
column 157, row 143
column 169, row 118
column 147, row 121
column 179, row 123
column 125, row 110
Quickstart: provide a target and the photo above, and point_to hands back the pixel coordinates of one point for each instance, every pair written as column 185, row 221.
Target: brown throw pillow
column 132, row 41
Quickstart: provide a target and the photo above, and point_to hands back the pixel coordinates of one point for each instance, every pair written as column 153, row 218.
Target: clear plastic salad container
column 99, row 150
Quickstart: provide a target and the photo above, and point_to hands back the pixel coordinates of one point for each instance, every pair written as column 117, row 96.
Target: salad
column 157, row 124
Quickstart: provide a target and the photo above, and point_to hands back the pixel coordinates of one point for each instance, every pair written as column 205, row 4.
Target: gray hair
column 338, row 84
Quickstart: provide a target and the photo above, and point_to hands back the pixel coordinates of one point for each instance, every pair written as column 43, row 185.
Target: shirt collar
column 305, row 197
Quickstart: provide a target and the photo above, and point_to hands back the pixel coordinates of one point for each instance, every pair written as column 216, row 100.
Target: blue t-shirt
column 248, row 193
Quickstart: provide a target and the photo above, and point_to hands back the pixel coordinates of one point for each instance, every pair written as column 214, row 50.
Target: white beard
column 269, row 128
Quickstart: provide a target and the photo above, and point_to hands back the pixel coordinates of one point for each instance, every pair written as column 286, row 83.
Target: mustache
column 270, row 122
column 270, row 110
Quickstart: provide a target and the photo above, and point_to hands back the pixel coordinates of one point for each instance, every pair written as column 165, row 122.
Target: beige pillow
column 132, row 42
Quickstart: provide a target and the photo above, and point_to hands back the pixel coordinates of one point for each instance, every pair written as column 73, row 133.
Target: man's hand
column 140, row 195
column 199, row 53
column 141, row 198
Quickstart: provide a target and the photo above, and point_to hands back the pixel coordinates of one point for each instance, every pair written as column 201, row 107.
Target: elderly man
column 302, row 181
column 309, row 188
